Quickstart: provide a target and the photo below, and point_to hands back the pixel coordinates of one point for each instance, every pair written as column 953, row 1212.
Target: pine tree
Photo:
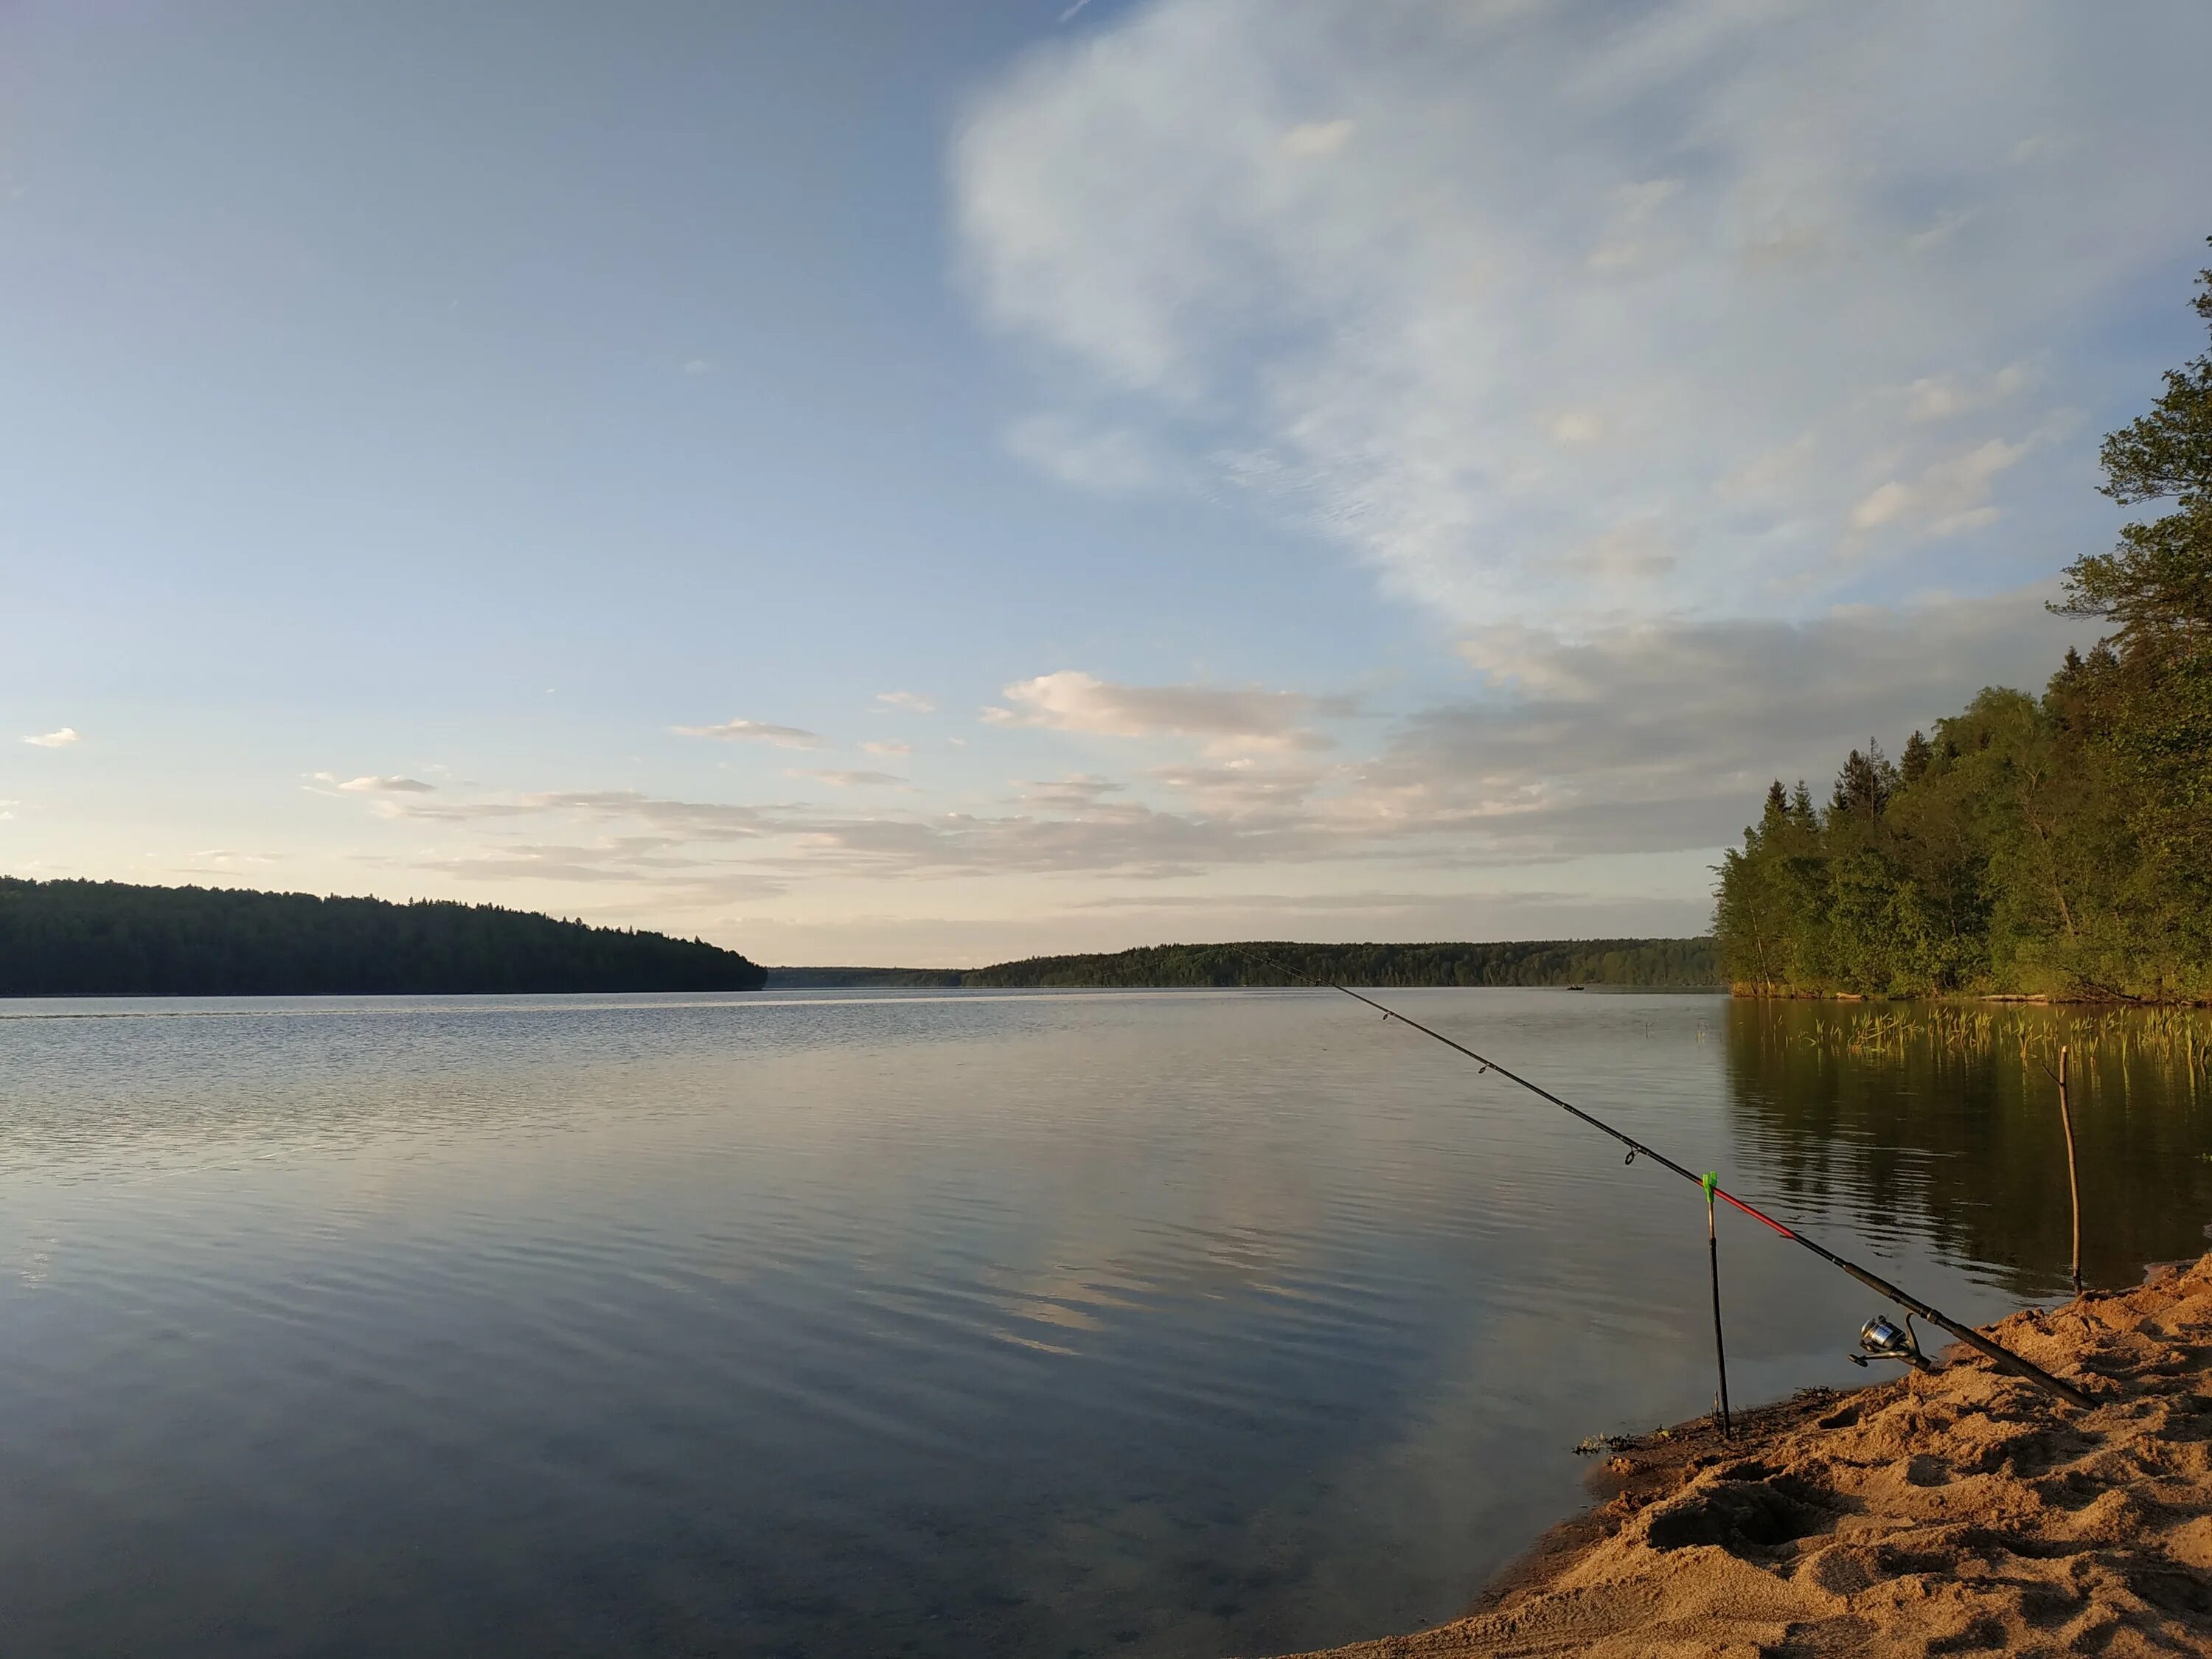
column 1913, row 764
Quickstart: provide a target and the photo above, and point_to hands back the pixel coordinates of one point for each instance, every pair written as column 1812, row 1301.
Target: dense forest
column 2059, row 844
column 109, row 939
column 850, row 979
column 1657, row 962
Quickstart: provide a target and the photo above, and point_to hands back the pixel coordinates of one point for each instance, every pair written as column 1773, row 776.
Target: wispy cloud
column 225, row 865
column 61, row 739
column 377, row 786
column 1073, row 700
column 875, row 747
column 662, row 867
column 912, row 702
column 1105, row 460
column 1650, row 738
column 1947, row 397
column 1314, row 138
column 1081, row 792
column 849, row 779
column 783, row 737
column 1948, row 496
column 1491, row 294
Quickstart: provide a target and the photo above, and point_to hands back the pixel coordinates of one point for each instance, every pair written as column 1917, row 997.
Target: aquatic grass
column 2175, row 1042
column 1956, row 1106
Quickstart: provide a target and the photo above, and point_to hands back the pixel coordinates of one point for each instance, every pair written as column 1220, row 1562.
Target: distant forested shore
column 117, row 938
column 846, row 979
column 1672, row 963
column 2058, row 845
column 112, row 938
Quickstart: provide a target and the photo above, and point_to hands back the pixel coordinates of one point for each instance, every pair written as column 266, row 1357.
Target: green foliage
column 2029, row 855
column 109, row 939
column 1654, row 961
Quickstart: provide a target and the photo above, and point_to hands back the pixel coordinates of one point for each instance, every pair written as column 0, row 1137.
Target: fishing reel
column 1880, row 1338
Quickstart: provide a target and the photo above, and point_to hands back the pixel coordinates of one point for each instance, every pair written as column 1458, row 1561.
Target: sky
column 926, row 484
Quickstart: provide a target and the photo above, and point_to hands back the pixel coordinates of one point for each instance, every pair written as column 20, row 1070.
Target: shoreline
column 1744, row 991
column 1953, row 1512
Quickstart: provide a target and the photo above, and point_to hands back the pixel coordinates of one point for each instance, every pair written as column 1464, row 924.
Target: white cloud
column 912, row 702
column 1103, row 460
column 1311, row 138
column 849, row 779
column 886, row 749
column 1951, row 495
column 783, row 737
column 1358, row 251
column 1947, row 396
column 377, row 786
column 1072, row 700
column 61, row 739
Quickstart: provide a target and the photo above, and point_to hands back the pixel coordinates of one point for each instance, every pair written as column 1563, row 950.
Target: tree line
column 853, row 979
column 113, row 938
column 1652, row 961
column 2059, row 844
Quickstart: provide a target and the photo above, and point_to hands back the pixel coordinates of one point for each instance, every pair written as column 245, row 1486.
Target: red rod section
column 1757, row 1215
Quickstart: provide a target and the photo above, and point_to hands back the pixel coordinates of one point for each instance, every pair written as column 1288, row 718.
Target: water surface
column 935, row 1322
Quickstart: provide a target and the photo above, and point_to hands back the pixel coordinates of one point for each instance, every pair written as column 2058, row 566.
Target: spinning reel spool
column 1879, row 1338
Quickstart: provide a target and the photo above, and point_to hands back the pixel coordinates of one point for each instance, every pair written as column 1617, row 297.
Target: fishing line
column 1973, row 1339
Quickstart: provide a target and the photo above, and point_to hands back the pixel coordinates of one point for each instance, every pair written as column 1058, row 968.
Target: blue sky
column 886, row 483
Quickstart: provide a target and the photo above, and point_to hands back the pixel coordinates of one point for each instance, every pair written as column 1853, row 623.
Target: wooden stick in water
column 2073, row 1181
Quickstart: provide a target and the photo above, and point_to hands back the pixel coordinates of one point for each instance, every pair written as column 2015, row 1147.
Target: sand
column 1958, row 1512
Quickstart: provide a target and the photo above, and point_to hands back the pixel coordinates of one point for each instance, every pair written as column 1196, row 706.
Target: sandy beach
column 1961, row 1511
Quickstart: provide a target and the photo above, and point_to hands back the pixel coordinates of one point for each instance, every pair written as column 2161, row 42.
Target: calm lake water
column 933, row 1323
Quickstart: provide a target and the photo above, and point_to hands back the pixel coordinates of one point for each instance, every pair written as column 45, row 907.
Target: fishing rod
column 1973, row 1339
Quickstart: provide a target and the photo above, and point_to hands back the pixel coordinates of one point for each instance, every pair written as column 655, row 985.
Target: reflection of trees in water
column 1943, row 1123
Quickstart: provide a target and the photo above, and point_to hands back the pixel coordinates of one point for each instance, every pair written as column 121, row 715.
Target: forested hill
column 1653, row 962
column 109, row 939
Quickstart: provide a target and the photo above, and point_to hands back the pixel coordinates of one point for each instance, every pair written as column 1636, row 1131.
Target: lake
column 934, row 1323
